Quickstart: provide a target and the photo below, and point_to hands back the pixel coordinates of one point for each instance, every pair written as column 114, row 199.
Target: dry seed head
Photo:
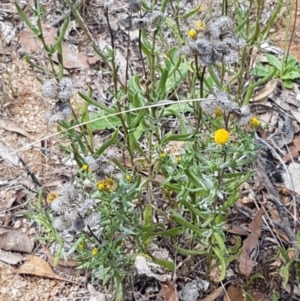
column 91, row 162
column 50, row 89
column 66, row 83
column 139, row 23
column 154, row 17
column 78, row 223
column 209, row 105
column 244, row 120
column 61, row 223
column 93, row 219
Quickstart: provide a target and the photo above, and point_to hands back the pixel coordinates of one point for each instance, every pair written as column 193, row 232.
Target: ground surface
column 22, row 103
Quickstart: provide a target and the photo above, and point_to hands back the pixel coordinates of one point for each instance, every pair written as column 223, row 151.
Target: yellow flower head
column 95, row 251
column 192, row 33
column 51, row 197
column 108, row 185
column 85, row 167
column 177, row 159
column 200, row 25
column 254, row 122
column 221, row 136
column 81, row 246
column 218, row 112
column 162, row 155
column 128, row 178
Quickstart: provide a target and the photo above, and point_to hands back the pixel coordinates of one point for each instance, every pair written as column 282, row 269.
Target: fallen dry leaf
column 68, row 266
column 234, row 293
column 294, row 150
column 12, row 240
column 246, row 263
column 34, row 45
column 12, row 126
column 170, row 291
column 9, row 155
column 146, row 267
column 38, row 267
column 235, row 229
column 11, row 258
column 72, row 58
column 262, row 95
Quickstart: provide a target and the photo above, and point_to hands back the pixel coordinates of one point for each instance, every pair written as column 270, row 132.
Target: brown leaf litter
column 246, row 263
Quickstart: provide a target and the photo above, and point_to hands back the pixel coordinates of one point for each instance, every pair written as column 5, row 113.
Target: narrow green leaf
column 24, row 17
column 192, row 208
column 172, row 232
column 288, row 84
column 191, row 13
column 222, row 262
column 61, row 34
column 248, row 297
column 95, row 103
column 177, row 137
column 273, row 60
column 103, row 147
column 291, row 75
column 220, row 242
column 192, row 252
column 285, row 273
column 29, row 62
column 182, row 221
column 165, row 263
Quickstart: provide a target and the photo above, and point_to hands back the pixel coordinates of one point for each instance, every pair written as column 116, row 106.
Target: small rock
column 17, row 224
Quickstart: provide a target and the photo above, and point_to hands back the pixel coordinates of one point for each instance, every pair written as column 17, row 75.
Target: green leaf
column 192, row 252
column 61, row 34
column 165, row 263
column 191, row 13
column 298, row 239
column 164, row 5
column 232, row 199
column 273, row 60
column 178, row 108
column 172, row 232
column 222, row 262
column 182, row 221
column 96, row 104
column 248, row 297
column 285, row 274
column 288, row 84
column 60, row 62
column 291, row 63
column 161, row 88
column 196, row 211
column 177, row 137
column 291, row 75
column 24, row 17
column 99, row 121
column 29, row 62
column 259, row 71
column 220, row 241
